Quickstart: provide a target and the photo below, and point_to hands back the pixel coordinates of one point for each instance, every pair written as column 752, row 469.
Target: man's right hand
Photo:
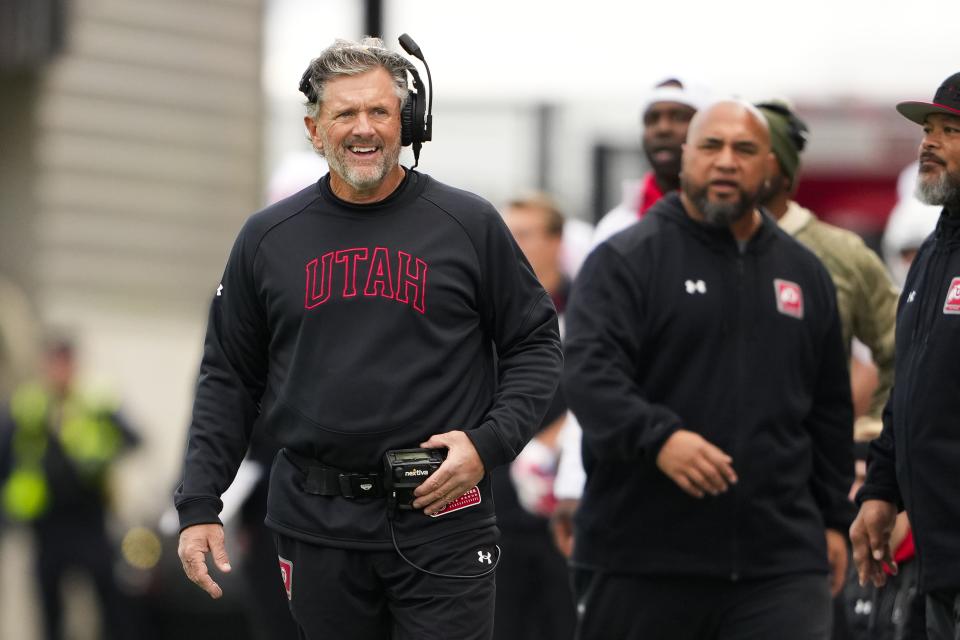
column 697, row 466
column 195, row 543
column 870, row 535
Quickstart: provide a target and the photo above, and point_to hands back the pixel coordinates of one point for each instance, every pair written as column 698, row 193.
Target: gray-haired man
column 374, row 310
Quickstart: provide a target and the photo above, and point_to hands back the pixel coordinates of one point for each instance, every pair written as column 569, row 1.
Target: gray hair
column 349, row 58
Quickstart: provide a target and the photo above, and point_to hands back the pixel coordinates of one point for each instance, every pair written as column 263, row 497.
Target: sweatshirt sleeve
column 522, row 321
column 603, row 350
column 830, row 424
column 881, row 482
column 874, row 320
column 231, row 382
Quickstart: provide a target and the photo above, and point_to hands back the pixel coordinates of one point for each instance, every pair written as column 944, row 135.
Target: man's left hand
column 459, row 473
column 837, row 559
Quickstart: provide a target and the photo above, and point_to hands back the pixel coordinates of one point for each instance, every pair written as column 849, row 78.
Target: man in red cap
column 913, row 462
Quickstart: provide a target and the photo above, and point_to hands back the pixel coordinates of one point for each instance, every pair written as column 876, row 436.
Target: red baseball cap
column 946, row 100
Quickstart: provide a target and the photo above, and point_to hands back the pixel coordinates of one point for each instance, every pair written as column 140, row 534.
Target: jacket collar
column 948, row 228
column 670, row 208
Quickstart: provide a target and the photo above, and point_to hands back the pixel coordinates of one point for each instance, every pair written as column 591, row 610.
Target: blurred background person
column 909, row 224
column 538, row 226
column 18, row 359
column 534, row 601
column 866, row 297
column 60, row 441
column 665, row 117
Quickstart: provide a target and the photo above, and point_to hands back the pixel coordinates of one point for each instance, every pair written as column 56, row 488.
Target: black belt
column 322, row 480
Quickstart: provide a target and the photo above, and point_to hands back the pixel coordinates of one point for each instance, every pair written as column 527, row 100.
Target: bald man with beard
column 705, row 362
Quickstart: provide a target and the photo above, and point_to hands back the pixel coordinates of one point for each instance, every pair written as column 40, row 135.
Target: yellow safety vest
column 88, row 435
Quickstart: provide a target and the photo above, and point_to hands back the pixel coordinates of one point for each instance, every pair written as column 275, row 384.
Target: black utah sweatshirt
column 349, row 330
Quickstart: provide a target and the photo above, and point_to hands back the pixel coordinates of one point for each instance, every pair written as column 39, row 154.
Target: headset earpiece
column 408, row 124
column 305, row 87
column 414, row 128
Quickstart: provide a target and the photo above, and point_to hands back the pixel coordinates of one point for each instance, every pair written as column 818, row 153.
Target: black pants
column 375, row 595
column 943, row 615
column 633, row 607
column 533, row 589
column 87, row 548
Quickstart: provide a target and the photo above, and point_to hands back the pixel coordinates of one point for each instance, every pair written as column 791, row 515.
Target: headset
column 416, row 117
column 416, row 123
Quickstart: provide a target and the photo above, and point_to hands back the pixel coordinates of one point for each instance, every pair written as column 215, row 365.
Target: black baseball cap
column 946, row 100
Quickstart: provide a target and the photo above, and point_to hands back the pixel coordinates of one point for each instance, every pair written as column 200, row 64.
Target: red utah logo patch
column 952, row 304
column 286, row 574
column 789, row 298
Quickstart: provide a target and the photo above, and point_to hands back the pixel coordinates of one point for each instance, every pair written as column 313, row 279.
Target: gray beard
column 718, row 214
column 943, row 191
column 723, row 214
column 361, row 179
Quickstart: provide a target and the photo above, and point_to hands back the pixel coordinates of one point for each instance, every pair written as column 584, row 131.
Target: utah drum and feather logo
column 789, row 298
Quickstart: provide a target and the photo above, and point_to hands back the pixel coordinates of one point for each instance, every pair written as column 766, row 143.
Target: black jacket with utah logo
column 914, row 461
column 672, row 326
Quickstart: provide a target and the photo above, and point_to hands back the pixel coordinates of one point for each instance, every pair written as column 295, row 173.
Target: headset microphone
column 417, row 118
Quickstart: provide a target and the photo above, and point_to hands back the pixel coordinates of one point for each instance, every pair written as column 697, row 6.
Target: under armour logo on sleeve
column 484, row 557
column 695, row 287
column 219, row 290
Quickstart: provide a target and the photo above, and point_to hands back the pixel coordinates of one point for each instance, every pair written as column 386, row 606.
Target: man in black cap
column 913, row 462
